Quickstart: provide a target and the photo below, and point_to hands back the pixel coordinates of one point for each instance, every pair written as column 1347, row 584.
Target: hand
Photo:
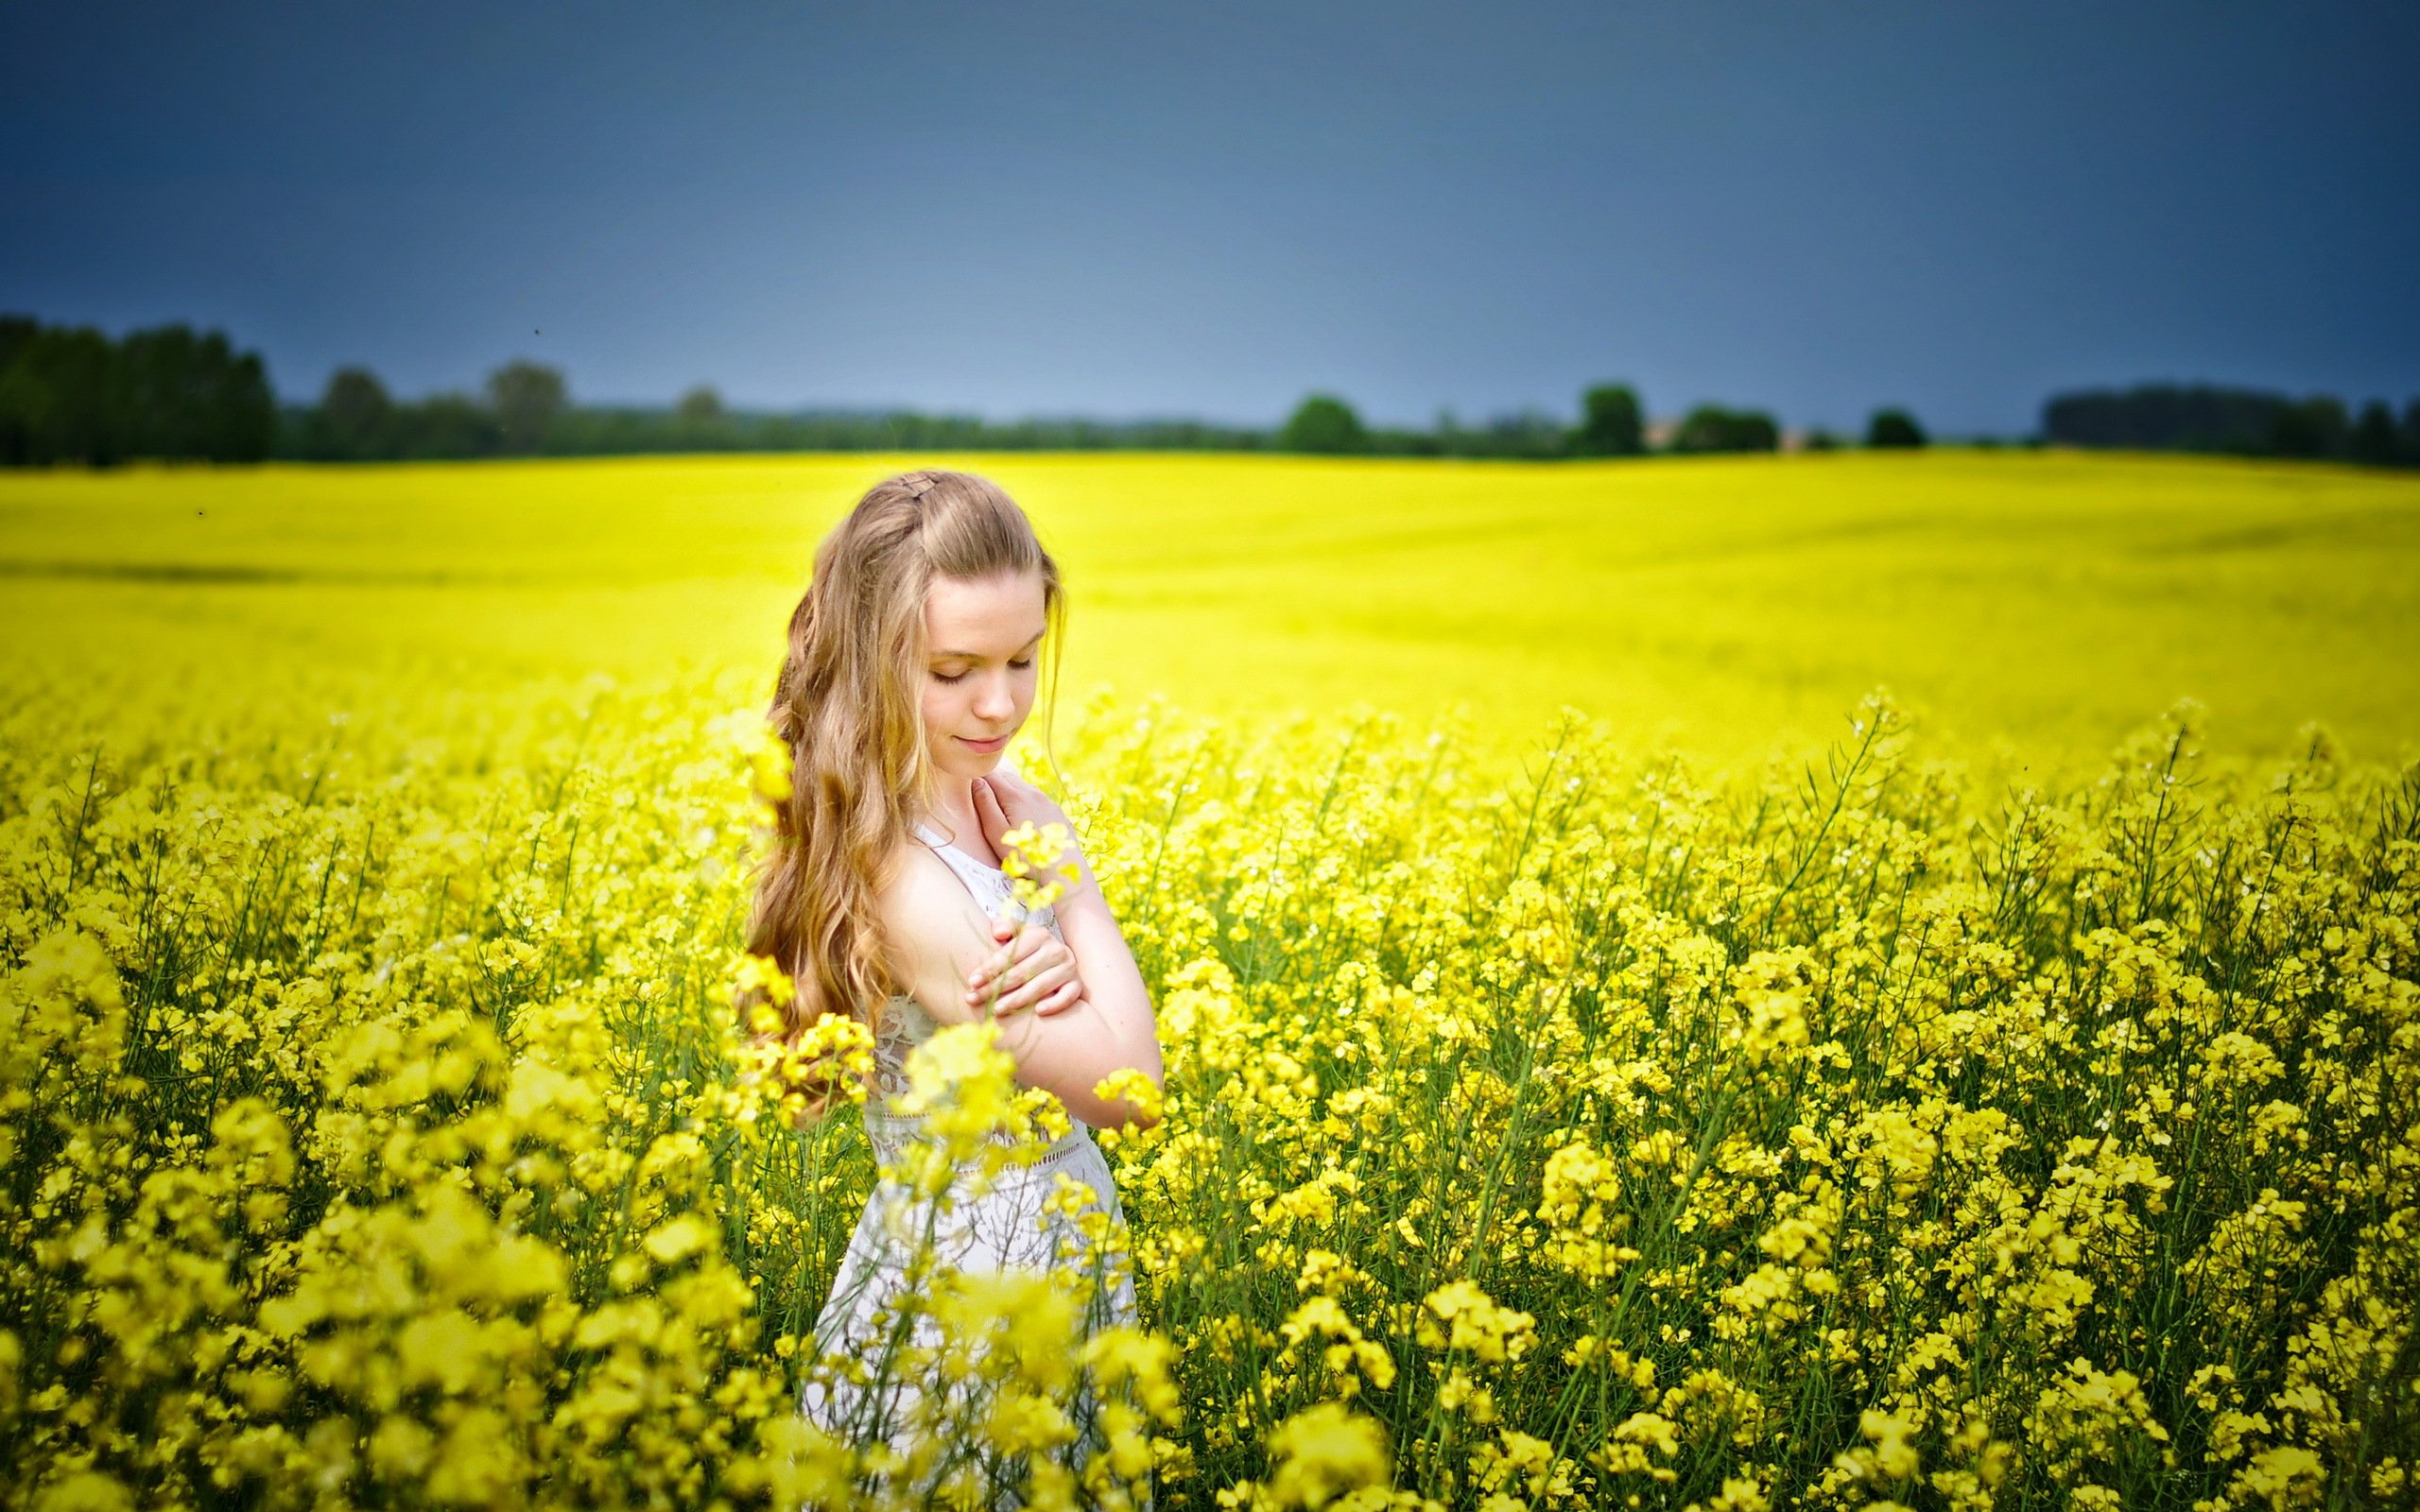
column 1032, row 969
column 1003, row 800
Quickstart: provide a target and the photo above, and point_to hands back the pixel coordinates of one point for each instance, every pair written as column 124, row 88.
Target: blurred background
column 1956, row 245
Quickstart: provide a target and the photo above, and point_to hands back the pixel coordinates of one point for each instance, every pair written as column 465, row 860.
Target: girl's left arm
column 1124, row 1031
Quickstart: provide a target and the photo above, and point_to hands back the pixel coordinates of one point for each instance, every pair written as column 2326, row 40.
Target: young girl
column 912, row 661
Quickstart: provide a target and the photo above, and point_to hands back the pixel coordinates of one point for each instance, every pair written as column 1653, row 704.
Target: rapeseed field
column 2036, row 607
column 1935, row 1023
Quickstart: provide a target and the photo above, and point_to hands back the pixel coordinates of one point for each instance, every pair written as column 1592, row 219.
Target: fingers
column 1010, row 778
column 1019, row 939
column 1037, row 989
column 988, row 813
column 993, row 965
column 985, row 987
column 1060, row 1000
column 1034, row 952
column 1016, row 799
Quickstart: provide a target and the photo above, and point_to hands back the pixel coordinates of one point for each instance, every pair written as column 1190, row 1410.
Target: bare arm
column 940, row 936
column 1128, row 1033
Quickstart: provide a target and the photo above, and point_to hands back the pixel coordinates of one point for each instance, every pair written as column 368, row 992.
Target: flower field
column 1962, row 1112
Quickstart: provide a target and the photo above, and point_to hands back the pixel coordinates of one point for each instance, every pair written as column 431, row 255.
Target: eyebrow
column 978, row 656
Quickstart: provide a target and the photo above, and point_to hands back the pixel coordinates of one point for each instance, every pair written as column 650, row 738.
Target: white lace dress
column 1006, row 1225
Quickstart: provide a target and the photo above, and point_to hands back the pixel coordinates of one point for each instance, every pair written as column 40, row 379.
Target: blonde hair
column 848, row 705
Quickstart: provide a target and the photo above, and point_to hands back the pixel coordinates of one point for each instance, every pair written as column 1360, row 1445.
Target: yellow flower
column 1323, row 1453
column 1459, row 1317
column 1047, row 854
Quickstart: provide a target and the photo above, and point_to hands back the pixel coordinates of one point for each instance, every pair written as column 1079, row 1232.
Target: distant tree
column 2411, row 433
column 1819, row 440
column 1526, row 432
column 1893, row 429
column 1713, row 428
column 1706, row 428
column 2165, row 416
column 526, row 397
column 242, row 405
column 2314, row 427
column 700, row 405
column 59, row 399
column 71, row 394
column 448, row 425
column 187, row 396
column 17, row 333
column 1323, row 424
column 2375, row 439
column 356, row 416
column 1610, row 422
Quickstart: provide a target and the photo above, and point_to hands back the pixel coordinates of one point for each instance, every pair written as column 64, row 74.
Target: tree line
column 2237, row 421
column 71, row 394
column 75, row 395
column 526, row 409
column 1612, row 423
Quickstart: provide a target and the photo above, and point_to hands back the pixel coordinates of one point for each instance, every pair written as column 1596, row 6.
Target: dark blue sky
column 1124, row 209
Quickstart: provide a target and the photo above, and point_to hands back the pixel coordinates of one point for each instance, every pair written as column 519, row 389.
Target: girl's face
column 982, row 638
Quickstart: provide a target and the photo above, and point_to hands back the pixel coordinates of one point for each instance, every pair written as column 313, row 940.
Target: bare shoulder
column 934, row 929
column 922, row 899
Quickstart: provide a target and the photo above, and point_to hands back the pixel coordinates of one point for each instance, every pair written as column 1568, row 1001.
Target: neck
column 953, row 809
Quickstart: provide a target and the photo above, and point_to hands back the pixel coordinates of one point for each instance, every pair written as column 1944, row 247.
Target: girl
column 912, row 661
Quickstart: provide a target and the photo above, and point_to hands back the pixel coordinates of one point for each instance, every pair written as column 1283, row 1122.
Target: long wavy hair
column 848, row 705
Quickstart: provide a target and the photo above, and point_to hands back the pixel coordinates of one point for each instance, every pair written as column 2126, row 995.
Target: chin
column 958, row 762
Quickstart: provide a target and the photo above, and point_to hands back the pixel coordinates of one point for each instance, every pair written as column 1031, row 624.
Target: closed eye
column 938, row 676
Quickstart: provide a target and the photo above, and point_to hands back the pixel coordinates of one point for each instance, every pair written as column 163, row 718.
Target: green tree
column 1610, row 422
column 1323, row 424
column 526, row 397
column 447, row 425
column 1713, row 428
column 2315, row 427
column 193, row 396
column 59, row 397
column 2374, row 439
column 356, row 416
column 700, row 405
column 1893, row 428
column 71, row 394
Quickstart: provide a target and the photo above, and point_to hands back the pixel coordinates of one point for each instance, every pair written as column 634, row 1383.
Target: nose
column 994, row 701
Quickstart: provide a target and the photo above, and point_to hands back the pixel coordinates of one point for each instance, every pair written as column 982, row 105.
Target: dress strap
column 952, row 853
column 989, row 885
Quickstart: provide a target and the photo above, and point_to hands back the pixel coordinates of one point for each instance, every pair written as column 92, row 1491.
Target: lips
column 993, row 744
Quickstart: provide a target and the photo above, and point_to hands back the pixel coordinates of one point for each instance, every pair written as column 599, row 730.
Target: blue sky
column 1126, row 210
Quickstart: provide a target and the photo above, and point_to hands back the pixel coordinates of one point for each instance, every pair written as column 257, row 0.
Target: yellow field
column 1554, row 1119
column 1732, row 607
